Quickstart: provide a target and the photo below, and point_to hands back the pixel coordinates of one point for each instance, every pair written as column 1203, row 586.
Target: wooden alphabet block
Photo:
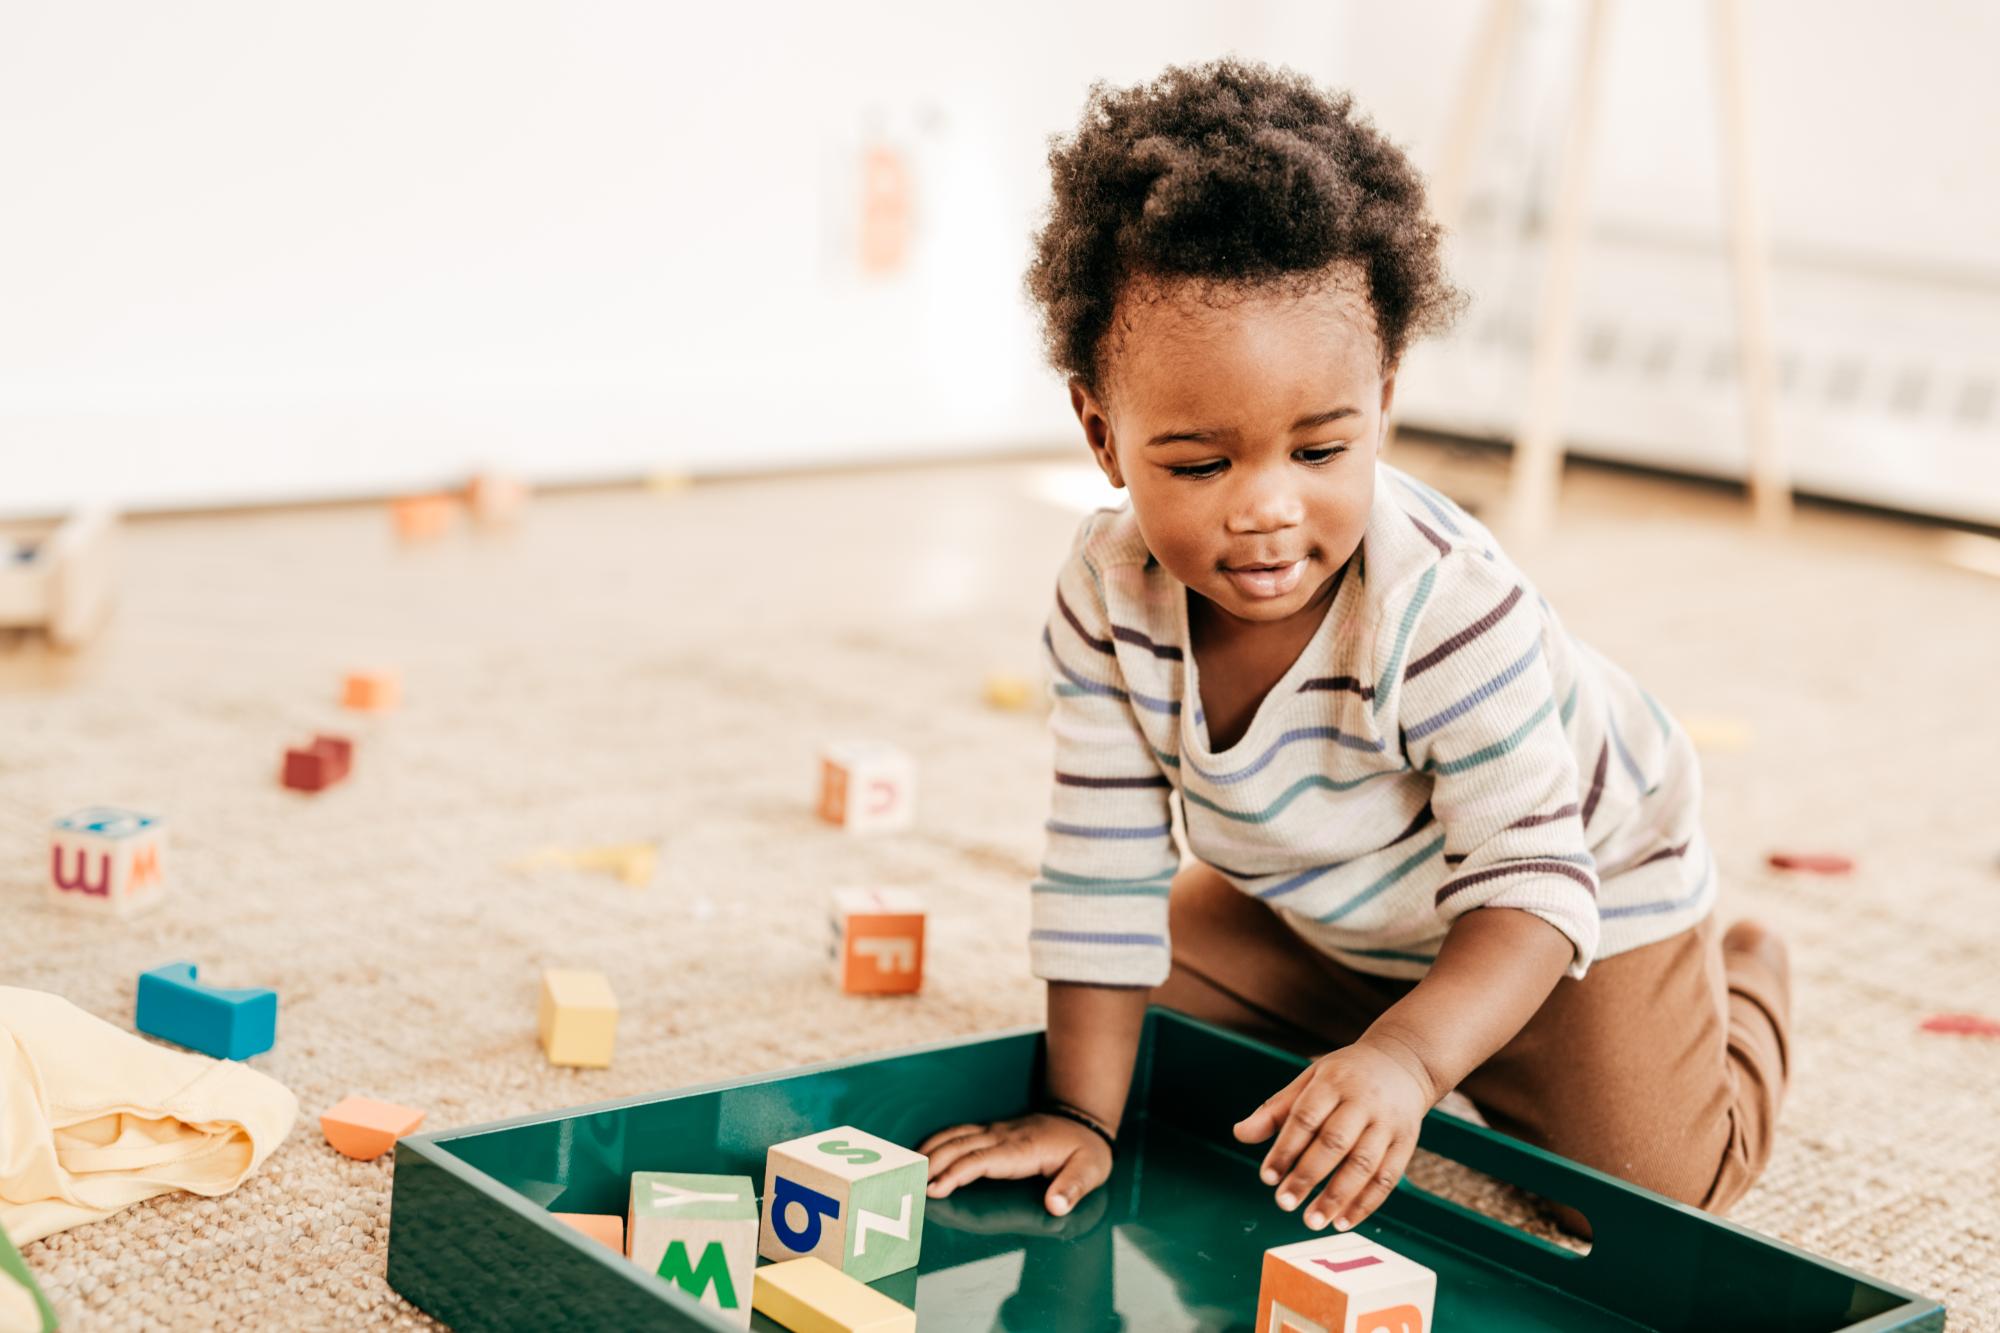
column 699, row 1233
column 108, row 860
column 495, row 498
column 317, row 766
column 812, row 1296
column 364, row 1129
column 878, row 941
column 847, row 1197
column 371, row 691
column 867, row 787
column 420, row 518
column 578, row 1018
column 603, row 1228
column 58, row 577
column 1343, row 1284
column 227, row 1024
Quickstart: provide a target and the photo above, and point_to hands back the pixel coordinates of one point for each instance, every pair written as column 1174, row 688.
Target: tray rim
column 433, row 1148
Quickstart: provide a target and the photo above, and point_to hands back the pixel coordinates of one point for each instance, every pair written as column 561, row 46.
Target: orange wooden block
column 372, row 691
column 364, row 1128
column 422, row 517
column 878, row 941
column 607, row 1231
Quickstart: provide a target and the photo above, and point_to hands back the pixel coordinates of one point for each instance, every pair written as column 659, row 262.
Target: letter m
column 696, row 1279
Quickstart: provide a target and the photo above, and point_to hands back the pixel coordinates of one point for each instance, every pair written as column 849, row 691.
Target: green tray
column 12, row 1264
column 1173, row 1241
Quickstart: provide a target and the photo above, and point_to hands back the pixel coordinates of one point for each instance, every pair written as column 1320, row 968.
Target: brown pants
column 1664, row 1065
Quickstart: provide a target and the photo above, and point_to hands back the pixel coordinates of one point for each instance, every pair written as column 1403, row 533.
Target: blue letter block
column 228, row 1024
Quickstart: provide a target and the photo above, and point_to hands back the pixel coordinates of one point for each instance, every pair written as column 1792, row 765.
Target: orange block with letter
column 867, row 787
column 1343, row 1284
column 878, row 941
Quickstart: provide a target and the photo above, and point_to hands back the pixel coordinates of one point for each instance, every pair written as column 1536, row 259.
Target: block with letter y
column 699, row 1233
column 848, row 1198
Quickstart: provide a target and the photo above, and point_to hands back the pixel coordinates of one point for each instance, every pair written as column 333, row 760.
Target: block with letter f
column 848, row 1198
column 878, row 941
column 108, row 860
column 699, row 1233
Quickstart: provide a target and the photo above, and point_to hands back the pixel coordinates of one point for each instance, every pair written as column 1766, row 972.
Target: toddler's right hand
column 1033, row 1145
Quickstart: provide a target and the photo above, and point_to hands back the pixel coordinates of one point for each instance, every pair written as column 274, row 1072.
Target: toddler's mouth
column 1263, row 581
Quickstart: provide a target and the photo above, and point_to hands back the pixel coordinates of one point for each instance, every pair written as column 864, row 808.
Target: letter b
column 819, row 1208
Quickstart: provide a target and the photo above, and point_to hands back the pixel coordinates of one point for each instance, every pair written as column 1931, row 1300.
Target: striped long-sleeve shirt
column 1441, row 744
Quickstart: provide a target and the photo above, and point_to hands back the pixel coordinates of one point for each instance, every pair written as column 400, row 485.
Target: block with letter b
column 1343, row 1284
column 848, row 1198
column 699, row 1233
column 108, row 860
column 867, row 787
column 878, row 941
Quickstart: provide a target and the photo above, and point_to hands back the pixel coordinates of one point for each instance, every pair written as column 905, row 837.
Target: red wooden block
column 1820, row 863
column 318, row 765
column 1962, row 1025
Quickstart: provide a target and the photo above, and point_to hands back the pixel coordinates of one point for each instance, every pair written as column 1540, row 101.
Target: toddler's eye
column 1320, row 453
column 1208, row 469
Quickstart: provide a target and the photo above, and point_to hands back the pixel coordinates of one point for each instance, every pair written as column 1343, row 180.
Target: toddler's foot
column 1768, row 947
column 1764, row 949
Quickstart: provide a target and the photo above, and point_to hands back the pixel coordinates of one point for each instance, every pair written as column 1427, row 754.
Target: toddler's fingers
column 1376, row 1190
column 1306, row 1114
column 944, row 1136
column 1263, row 1122
column 1081, row 1174
column 943, row 1158
column 997, row 1162
column 1335, row 1138
column 1356, row 1172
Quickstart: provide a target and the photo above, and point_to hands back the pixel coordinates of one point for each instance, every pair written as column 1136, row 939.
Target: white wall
column 256, row 250
column 253, row 250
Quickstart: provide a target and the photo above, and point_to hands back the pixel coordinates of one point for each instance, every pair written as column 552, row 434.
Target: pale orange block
column 372, row 691
column 422, row 517
column 606, row 1230
column 364, row 1128
column 495, row 497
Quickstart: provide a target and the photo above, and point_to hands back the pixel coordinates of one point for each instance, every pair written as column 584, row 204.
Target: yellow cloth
column 93, row 1118
column 18, row 1311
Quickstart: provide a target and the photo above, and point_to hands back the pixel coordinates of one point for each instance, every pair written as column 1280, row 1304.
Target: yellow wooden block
column 812, row 1296
column 1009, row 693
column 578, row 1017
column 1716, row 734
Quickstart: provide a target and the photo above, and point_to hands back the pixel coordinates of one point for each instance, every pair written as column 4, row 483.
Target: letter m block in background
column 845, row 1197
column 108, row 860
column 699, row 1233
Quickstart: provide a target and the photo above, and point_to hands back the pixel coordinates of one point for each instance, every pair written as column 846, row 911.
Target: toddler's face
column 1246, row 430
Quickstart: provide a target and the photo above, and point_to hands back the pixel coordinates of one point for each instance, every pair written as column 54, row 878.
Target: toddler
column 1433, row 839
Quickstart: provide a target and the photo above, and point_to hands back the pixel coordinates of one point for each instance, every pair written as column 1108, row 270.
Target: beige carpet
column 630, row 666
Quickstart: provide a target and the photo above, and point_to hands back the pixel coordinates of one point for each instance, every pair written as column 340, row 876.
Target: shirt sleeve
column 1477, row 710
column 1100, row 902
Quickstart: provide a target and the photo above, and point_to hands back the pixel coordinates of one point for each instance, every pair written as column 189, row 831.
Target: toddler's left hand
column 1357, row 1110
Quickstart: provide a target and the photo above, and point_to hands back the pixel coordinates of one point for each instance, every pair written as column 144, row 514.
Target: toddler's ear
column 1096, row 425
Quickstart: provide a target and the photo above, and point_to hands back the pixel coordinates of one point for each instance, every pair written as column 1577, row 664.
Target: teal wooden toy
column 227, row 1024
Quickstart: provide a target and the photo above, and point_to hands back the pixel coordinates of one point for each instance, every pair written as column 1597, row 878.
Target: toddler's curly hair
column 1238, row 176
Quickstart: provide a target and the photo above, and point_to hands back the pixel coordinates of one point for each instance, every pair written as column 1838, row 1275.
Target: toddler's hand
column 1034, row 1145
column 1357, row 1110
